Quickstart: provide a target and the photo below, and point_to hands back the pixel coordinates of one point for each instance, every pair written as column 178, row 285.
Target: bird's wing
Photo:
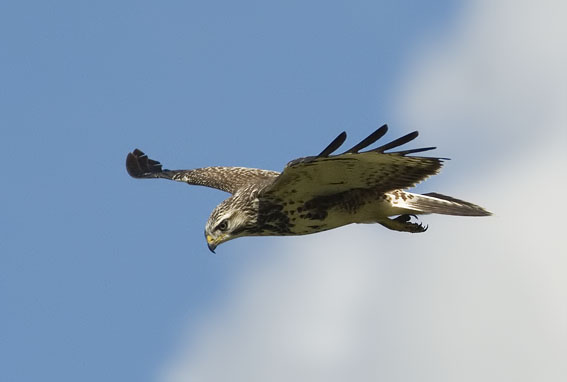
column 324, row 174
column 229, row 179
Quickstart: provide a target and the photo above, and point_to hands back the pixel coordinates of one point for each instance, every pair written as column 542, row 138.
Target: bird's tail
column 434, row 203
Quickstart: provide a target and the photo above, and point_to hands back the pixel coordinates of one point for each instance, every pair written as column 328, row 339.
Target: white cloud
column 472, row 299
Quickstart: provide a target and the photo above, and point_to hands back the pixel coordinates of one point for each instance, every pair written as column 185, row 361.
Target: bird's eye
column 223, row 225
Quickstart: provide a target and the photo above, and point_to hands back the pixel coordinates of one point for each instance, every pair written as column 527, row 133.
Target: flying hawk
column 317, row 193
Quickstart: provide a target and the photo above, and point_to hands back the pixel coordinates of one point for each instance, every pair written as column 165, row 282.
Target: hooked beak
column 211, row 243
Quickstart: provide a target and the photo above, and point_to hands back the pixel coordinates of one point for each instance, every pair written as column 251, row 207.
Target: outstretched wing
column 229, row 179
column 324, row 174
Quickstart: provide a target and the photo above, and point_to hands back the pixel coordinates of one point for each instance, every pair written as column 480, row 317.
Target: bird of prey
column 318, row 193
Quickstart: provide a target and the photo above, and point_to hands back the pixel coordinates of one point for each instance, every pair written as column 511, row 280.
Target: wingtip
column 132, row 165
column 138, row 165
column 138, row 152
column 342, row 137
column 334, row 145
column 376, row 135
column 397, row 142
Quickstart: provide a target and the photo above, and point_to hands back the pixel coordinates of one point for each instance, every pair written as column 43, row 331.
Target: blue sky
column 103, row 277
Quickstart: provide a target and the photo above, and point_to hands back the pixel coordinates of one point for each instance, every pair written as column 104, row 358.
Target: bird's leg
column 402, row 224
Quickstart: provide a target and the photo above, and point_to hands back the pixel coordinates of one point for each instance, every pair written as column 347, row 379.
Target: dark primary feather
column 379, row 133
column 335, row 144
column 413, row 151
column 397, row 142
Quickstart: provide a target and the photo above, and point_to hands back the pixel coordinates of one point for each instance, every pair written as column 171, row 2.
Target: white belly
column 370, row 212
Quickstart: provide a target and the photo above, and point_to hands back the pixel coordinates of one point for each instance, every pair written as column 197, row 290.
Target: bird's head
column 231, row 219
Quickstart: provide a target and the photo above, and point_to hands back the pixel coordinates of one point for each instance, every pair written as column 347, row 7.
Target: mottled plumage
column 318, row 193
